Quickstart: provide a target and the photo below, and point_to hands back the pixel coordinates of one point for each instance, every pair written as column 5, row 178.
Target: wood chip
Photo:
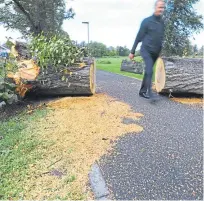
column 76, row 128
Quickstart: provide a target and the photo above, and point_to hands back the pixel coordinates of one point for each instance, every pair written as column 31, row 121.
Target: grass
column 17, row 151
column 114, row 67
column 70, row 179
column 33, row 146
column 22, row 152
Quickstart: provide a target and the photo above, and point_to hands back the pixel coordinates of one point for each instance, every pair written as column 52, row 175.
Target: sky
column 112, row 22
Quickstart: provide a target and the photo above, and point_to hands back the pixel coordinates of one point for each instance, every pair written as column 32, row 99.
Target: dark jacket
column 151, row 35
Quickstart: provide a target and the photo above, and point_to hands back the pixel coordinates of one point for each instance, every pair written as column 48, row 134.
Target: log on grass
column 179, row 75
column 132, row 67
column 69, row 81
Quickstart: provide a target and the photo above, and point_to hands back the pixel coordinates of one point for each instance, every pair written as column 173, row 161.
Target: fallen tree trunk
column 78, row 79
column 132, row 67
column 179, row 75
column 71, row 81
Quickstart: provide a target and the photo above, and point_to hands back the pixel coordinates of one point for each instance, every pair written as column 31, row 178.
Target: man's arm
column 140, row 35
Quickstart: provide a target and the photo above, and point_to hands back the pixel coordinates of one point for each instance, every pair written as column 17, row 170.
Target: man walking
column 151, row 35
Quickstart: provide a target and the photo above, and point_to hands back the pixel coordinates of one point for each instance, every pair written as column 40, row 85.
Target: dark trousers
column 149, row 59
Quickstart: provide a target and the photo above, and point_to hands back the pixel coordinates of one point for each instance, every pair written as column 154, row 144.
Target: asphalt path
column 165, row 161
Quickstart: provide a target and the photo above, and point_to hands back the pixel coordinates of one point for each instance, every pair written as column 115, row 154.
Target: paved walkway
column 163, row 162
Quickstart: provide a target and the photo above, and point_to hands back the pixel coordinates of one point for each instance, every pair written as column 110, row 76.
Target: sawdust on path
column 189, row 101
column 184, row 100
column 79, row 131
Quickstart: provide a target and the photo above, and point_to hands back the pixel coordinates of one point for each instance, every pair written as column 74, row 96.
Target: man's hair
column 157, row 1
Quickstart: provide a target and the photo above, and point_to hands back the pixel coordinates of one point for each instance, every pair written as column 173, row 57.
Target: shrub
column 104, row 62
column 7, row 89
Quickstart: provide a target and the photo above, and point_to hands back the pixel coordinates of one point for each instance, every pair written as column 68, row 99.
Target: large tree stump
column 179, row 75
column 132, row 67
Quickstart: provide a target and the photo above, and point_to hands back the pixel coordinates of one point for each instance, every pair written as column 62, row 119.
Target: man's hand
column 131, row 56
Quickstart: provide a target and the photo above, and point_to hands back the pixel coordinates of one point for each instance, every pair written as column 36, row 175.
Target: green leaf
column 2, row 85
column 63, row 78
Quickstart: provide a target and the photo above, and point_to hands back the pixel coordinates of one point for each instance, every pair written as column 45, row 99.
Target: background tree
column 200, row 52
column 111, row 51
column 188, row 49
column 82, row 44
column 97, row 49
column 195, row 50
column 34, row 16
column 123, row 51
column 181, row 21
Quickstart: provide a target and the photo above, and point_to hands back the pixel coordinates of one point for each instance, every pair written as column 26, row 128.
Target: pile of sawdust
column 80, row 130
column 189, row 101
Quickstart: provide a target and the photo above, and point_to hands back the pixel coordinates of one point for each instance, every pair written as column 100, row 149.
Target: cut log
column 70, row 81
column 179, row 75
column 132, row 67
column 79, row 79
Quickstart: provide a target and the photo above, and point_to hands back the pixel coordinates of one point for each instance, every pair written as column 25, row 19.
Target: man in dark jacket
column 151, row 35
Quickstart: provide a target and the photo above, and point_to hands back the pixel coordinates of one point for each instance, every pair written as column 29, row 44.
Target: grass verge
column 115, row 64
column 47, row 154
column 17, row 150
column 114, row 67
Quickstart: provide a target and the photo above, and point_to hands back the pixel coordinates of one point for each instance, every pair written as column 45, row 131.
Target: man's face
column 159, row 8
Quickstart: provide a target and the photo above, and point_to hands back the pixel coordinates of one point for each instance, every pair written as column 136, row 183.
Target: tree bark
column 27, row 15
column 78, row 81
column 132, row 67
column 23, row 51
column 179, row 75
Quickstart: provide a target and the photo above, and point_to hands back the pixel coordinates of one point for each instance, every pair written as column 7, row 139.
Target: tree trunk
column 22, row 50
column 132, row 67
column 179, row 75
column 78, row 81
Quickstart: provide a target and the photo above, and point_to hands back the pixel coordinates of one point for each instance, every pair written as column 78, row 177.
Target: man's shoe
column 144, row 95
column 154, row 97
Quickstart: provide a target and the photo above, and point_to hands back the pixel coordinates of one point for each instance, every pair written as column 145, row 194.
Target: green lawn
column 114, row 66
column 17, row 150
